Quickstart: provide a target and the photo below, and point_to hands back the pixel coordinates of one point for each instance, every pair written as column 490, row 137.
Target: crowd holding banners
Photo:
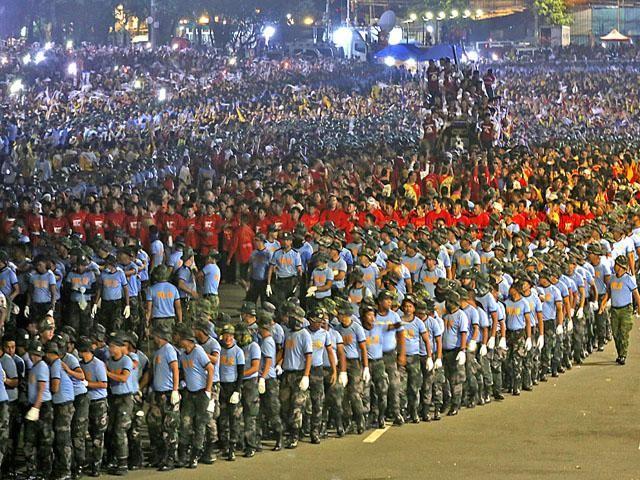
column 410, row 244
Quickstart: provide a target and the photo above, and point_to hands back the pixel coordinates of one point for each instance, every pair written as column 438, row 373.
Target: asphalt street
column 583, row 425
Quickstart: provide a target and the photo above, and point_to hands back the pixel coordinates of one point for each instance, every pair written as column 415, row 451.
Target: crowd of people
column 408, row 244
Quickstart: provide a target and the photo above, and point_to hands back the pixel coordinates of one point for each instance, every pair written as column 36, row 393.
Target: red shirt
column 77, row 221
column 172, row 224
column 132, row 225
column 310, row 220
column 57, row 227
column 337, row 216
column 115, row 220
column 432, row 216
column 208, row 228
column 95, row 223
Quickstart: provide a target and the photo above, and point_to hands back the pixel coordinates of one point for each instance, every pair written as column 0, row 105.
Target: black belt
column 63, row 404
column 285, row 278
column 620, row 308
column 99, row 399
column 206, row 295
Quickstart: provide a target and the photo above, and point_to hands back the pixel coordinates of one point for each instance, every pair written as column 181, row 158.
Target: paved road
column 584, row 425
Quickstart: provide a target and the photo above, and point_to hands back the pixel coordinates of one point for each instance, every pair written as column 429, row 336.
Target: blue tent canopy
column 404, row 51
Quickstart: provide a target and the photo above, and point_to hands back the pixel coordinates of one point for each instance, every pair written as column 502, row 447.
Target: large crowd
column 409, row 243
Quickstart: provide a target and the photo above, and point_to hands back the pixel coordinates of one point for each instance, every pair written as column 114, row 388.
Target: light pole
column 153, row 35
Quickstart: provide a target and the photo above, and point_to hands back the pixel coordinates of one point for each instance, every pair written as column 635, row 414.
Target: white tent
column 615, row 36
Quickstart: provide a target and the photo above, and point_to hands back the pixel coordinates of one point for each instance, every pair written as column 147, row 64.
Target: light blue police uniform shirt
column 39, row 373
column 297, row 346
column 455, row 324
column 65, row 389
column 161, row 364
column 95, row 371
column 194, row 367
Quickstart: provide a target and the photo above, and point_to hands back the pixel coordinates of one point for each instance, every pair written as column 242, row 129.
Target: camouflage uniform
column 516, row 356
column 250, row 411
column 195, row 417
column 136, row 457
column 393, row 399
column 546, row 356
column 293, row 400
column 621, row 326
column 98, row 410
column 411, row 381
column 133, row 323
column 4, row 429
column 528, row 361
column 486, row 376
column 211, row 428
column 270, row 407
column 558, row 345
column 432, row 382
column 79, row 426
column 38, row 442
column 120, row 413
column 334, row 394
column 471, row 367
column 316, row 394
column 163, row 420
column 230, row 416
column 355, row 390
column 110, row 314
column 380, row 386
column 601, row 321
column 79, row 319
column 62, row 418
column 455, row 374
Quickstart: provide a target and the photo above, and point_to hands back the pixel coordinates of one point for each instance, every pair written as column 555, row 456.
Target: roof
column 615, row 36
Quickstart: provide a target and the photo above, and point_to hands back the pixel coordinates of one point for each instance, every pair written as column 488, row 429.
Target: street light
column 204, row 19
column 308, row 21
column 413, row 17
column 466, row 13
column 454, row 13
column 69, row 44
column 268, row 32
column 72, row 69
column 441, row 15
column 429, row 15
column 479, row 12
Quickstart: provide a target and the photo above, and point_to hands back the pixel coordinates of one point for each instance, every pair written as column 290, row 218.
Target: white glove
column 528, row 345
column 502, row 344
column 235, row 398
column 175, row 397
column 461, row 358
column 268, row 291
column 540, row 343
column 580, row 313
column 304, row 383
column 438, row 363
column 571, row 312
column 608, row 304
column 366, row 375
column 127, row 312
column 94, row 310
column 279, row 370
column 570, row 326
column 343, row 379
column 335, row 272
column 212, row 406
column 594, row 306
column 15, row 310
column 472, row 345
column 311, row 291
column 483, row 350
column 491, row 344
column 208, row 394
column 33, row 414
column 559, row 330
column 85, row 383
column 49, row 313
column 262, row 386
column 430, row 364
column 26, row 311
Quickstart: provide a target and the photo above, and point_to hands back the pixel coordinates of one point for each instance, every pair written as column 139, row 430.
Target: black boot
column 209, row 456
column 278, row 445
column 231, row 453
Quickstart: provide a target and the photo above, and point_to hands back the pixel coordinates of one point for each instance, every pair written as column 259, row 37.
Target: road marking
column 376, row 435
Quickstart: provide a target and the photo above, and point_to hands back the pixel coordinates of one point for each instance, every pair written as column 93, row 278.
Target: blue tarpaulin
column 404, row 51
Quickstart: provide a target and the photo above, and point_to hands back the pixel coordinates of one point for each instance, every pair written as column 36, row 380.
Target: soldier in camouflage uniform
column 4, row 418
column 250, row 395
column 379, row 377
column 197, row 398
column 518, row 321
column 38, row 430
column 163, row 417
column 232, row 364
column 297, row 368
column 136, row 455
column 268, row 384
column 96, row 376
column 63, row 410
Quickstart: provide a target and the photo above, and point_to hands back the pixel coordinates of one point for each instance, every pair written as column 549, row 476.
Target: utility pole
column 153, row 34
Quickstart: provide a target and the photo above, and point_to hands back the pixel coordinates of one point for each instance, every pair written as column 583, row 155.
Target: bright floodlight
column 162, row 94
column 413, row 17
column 308, row 21
column 72, row 69
column 232, row 61
column 441, row 15
column 389, row 61
column 268, row 32
column 40, row 57
column 175, row 46
column 454, row 13
column 466, row 13
column 479, row 12
column 411, row 63
column 429, row 15
column 69, row 44
column 48, row 45
column 472, row 55
column 494, row 57
column 395, row 36
column 16, row 87
column 26, row 59
column 342, row 37
column 430, row 28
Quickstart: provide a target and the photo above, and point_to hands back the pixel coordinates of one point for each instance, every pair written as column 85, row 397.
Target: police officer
column 14, row 370
column 10, row 288
column 250, row 395
column 432, row 372
column 112, row 297
column 209, row 278
column 63, row 410
column 231, row 373
column 163, row 300
column 140, row 364
column 284, row 269
column 296, row 364
column 602, row 276
column 38, row 430
column 258, row 268
column 186, row 279
column 553, row 318
column 321, row 344
column 79, row 289
column 198, row 401
column 4, row 416
column 95, row 373
column 519, row 320
column 119, row 369
column 131, row 267
column 379, row 387
column 268, row 385
column 163, row 417
column 623, row 293
column 42, row 292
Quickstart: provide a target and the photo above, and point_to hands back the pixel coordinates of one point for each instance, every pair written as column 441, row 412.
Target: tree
column 555, row 11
